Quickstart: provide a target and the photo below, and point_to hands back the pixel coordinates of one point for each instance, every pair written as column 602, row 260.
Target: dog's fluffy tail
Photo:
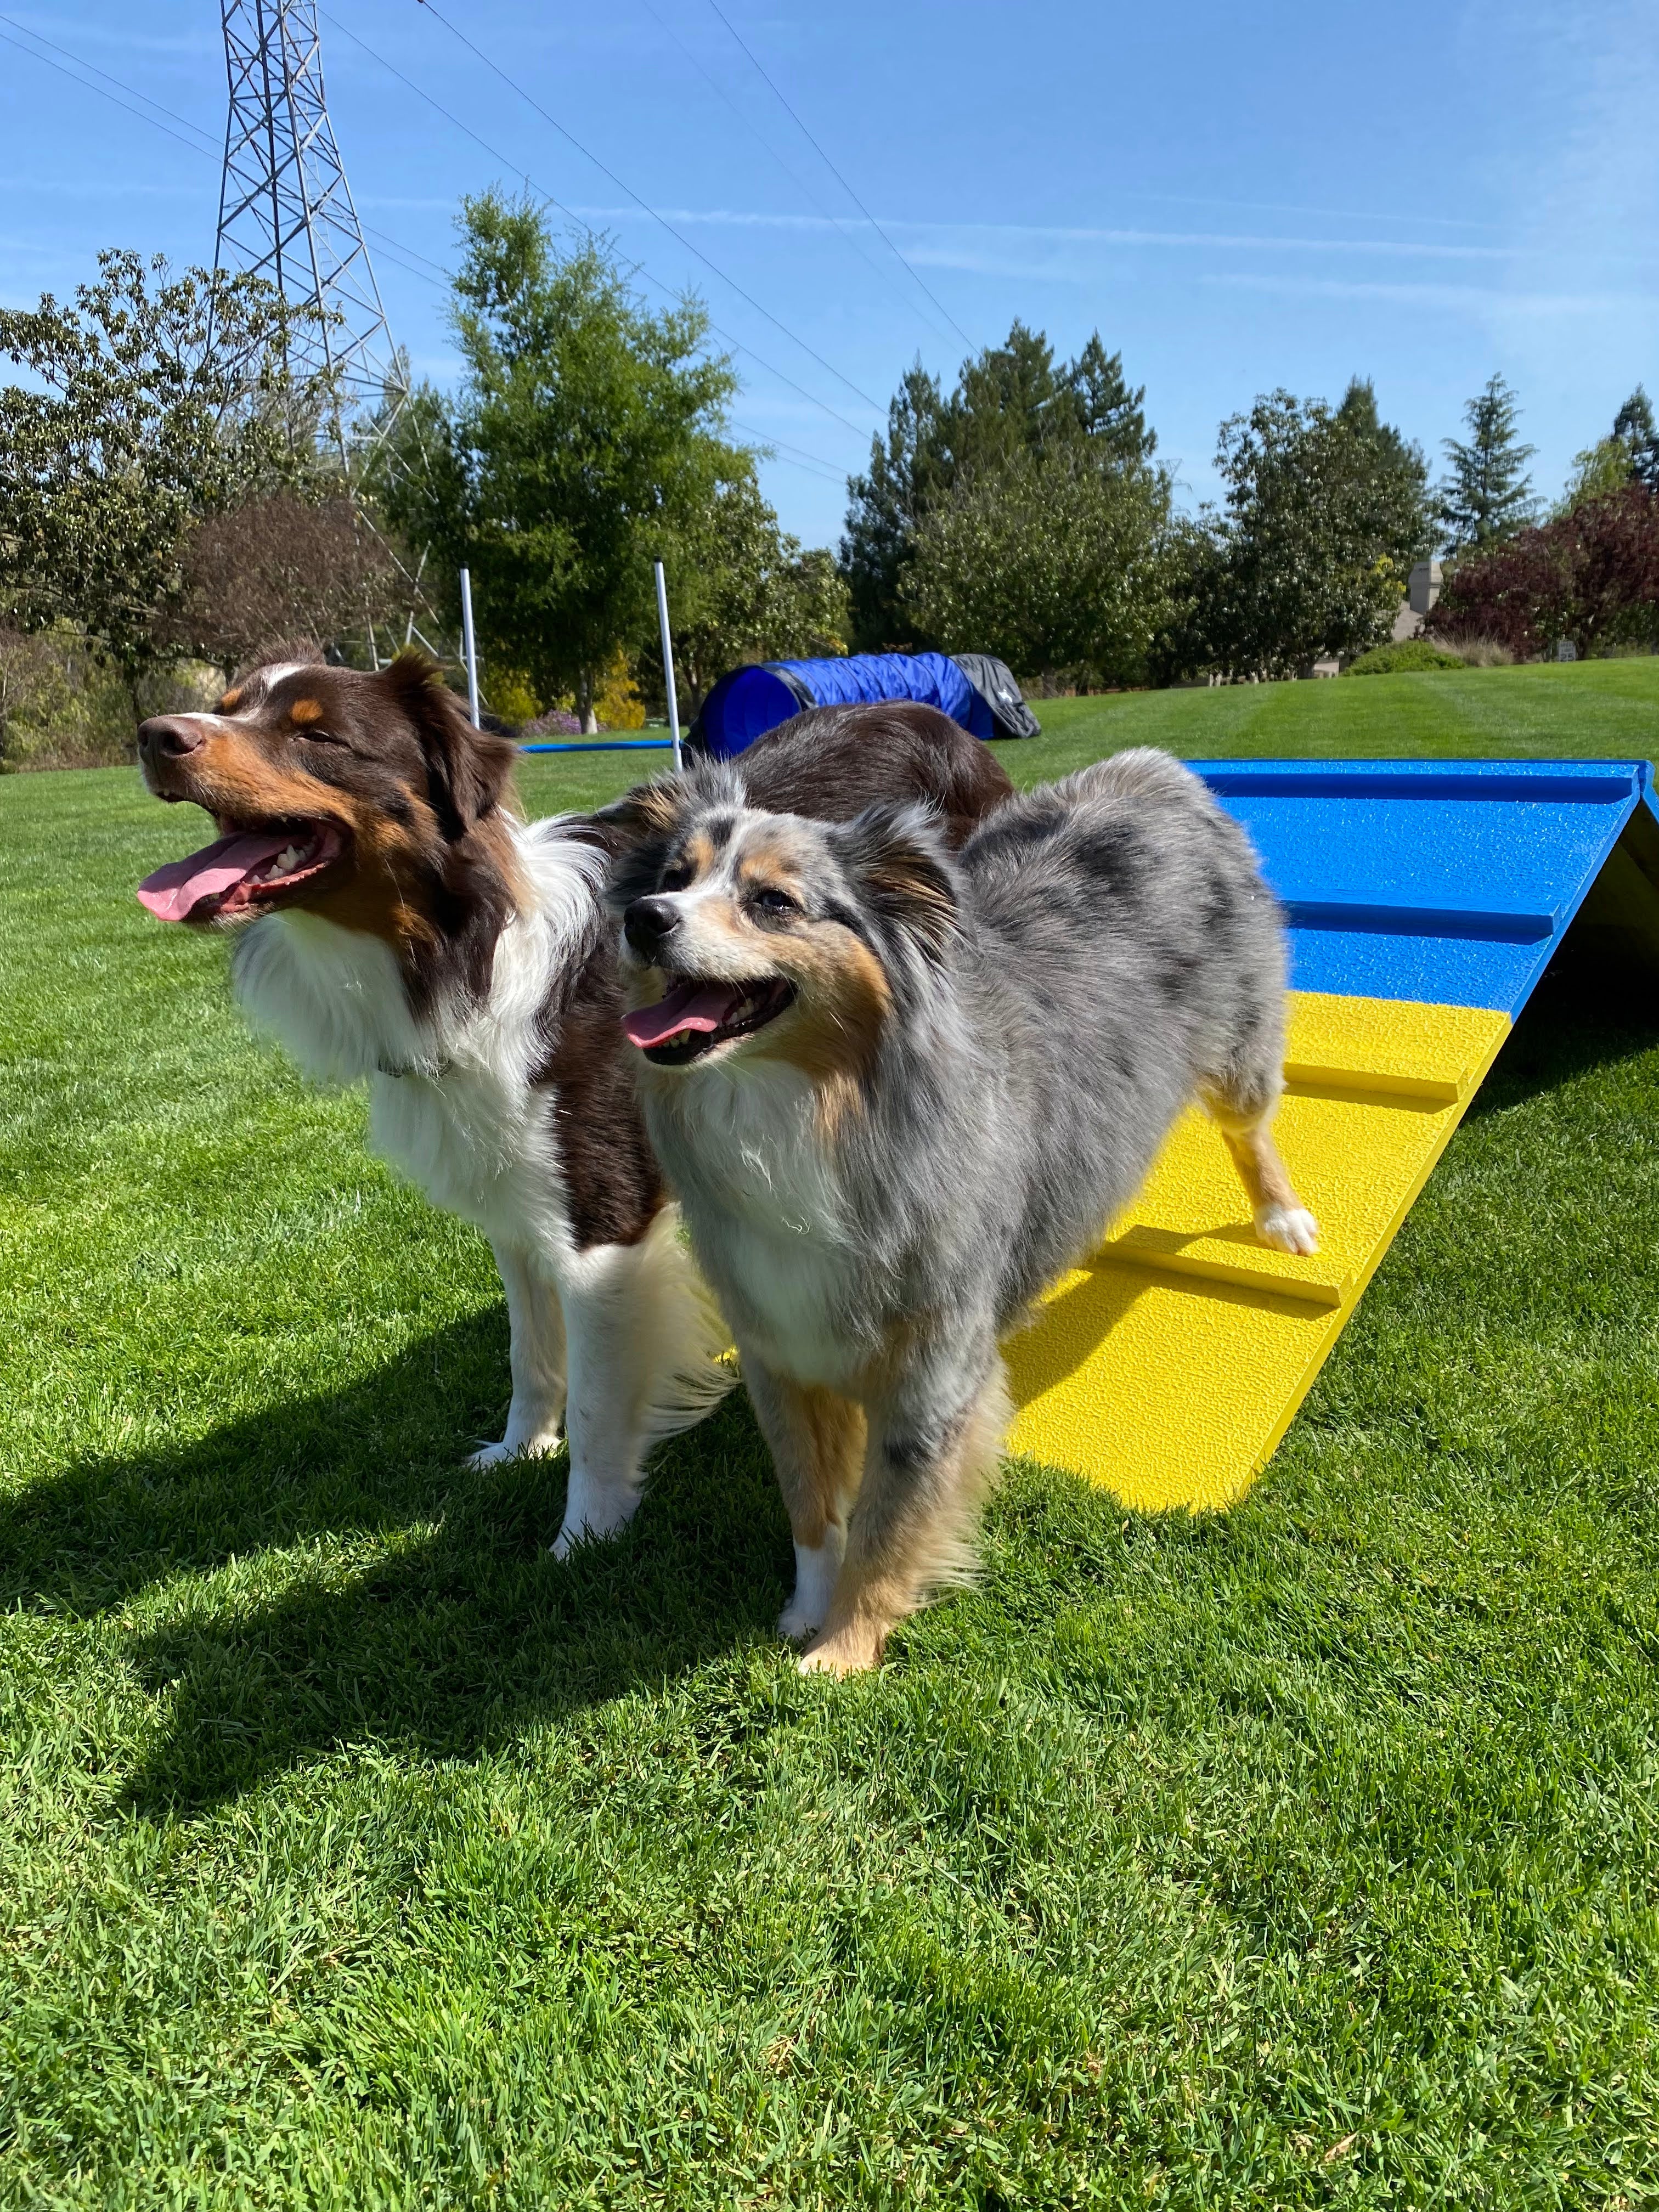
column 1142, row 772
column 692, row 1366
column 947, row 1555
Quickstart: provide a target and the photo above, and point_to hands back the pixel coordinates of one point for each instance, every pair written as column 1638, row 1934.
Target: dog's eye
column 771, row 900
column 314, row 736
column 675, row 879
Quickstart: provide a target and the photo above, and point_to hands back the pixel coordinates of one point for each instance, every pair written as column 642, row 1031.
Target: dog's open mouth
column 694, row 1017
column 242, row 872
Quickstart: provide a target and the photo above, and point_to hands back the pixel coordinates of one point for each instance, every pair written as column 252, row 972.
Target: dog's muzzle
column 647, row 923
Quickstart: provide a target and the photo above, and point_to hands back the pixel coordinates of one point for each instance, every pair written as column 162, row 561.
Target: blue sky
column 1236, row 197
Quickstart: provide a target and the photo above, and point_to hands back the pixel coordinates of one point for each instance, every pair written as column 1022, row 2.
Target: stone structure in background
column 1422, row 590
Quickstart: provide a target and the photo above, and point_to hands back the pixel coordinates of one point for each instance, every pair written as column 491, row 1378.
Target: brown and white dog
column 400, row 923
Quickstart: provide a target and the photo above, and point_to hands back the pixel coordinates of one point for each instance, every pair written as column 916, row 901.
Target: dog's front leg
column 816, row 1441
column 934, row 1440
column 608, row 1323
column 536, row 1352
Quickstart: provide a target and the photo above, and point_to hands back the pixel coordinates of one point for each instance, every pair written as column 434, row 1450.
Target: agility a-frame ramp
column 1425, row 900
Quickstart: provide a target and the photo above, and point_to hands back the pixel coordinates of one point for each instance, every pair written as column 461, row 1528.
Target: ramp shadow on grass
column 435, row 1620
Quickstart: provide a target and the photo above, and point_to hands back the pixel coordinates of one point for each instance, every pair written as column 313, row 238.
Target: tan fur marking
column 651, row 806
column 835, row 1031
column 922, row 1541
column 915, row 886
column 385, row 872
column 818, row 1445
column 232, row 700
column 1262, row 1171
column 764, row 866
column 304, row 711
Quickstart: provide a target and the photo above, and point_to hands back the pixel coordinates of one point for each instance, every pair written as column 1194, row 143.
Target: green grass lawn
column 353, row 1852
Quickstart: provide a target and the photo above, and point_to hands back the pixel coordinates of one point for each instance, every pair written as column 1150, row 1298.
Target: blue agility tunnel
column 972, row 687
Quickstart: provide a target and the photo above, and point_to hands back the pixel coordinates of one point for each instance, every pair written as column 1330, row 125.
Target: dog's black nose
column 167, row 737
column 647, row 921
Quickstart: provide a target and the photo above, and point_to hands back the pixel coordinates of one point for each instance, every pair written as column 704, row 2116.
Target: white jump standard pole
column 469, row 647
column 667, row 667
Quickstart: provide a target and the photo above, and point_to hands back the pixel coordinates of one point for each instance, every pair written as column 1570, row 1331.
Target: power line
column 552, row 200
column 800, row 184
column 406, row 256
column 797, row 456
column 85, row 86
column 678, row 236
column 837, row 175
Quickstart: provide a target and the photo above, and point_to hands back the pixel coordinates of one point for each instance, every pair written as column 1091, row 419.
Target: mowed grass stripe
column 353, row 1853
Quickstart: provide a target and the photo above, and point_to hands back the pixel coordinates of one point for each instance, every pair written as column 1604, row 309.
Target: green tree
column 1634, row 425
column 743, row 589
column 1487, row 494
column 907, row 467
column 1049, row 562
column 1010, row 401
column 1326, row 510
column 586, row 432
column 1599, row 468
column 158, row 400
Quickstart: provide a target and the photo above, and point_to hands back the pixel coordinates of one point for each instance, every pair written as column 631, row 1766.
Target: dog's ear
column 650, row 810
column 467, row 770
column 655, row 809
column 638, row 829
column 897, row 857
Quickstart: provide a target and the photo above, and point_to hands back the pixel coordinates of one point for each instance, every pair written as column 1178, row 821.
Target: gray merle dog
column 899, row 1092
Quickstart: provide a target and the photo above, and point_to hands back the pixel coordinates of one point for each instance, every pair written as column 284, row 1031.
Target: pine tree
column 1634, row 425
column 1487, row 494
column 1108, row 412
column 1011, row 403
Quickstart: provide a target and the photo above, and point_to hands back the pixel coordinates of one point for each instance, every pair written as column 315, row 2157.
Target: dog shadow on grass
column 328, row 1574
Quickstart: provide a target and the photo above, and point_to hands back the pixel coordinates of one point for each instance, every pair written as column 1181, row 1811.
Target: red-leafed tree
column 1591, row 576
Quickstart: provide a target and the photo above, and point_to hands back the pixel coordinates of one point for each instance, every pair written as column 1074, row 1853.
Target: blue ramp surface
column 1447, row 883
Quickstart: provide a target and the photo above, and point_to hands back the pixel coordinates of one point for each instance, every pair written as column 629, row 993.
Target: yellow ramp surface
column 1169, row 1367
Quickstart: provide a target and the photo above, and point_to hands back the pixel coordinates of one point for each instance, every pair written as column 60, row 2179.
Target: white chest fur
column 451, row 1102
column 768, row 1217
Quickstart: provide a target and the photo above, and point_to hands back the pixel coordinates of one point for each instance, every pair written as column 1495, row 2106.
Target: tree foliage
column 1012, row 403
column 1590, row 574
column 1326, row 510
column 278, row 572
column 743, row 589
column 1049, row 562
column 158, row 400
column 1634, row 423
column 585, row 434
column 1487, row 495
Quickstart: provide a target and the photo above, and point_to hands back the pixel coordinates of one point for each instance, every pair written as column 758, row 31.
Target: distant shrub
column 1591, row 576
column 510, row 697
column 556, row 722
column 1476, row 652
column 1410, row 655
column 62, row 704
column 616, row 702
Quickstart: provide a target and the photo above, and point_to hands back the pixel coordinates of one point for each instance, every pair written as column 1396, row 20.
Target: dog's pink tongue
column 687, row 1006
column 173, row 890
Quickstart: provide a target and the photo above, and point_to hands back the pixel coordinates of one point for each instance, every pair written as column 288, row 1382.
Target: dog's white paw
column 592, row 1512
column 493, row 1454
column 798, row 1621
column 815, row 1569
column 1288, row 1228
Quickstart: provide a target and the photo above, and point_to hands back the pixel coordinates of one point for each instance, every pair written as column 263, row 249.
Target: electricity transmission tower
column 286, row 211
